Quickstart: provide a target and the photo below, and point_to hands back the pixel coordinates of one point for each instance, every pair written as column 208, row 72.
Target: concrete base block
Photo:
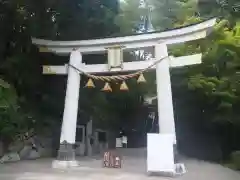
column 180, row 169
column 162, row 174
column 56, row 164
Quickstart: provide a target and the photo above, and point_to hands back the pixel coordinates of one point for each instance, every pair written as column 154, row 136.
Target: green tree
column 13, row 121
column 21, row 63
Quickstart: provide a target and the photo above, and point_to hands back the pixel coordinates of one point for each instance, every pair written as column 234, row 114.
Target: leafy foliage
column 216, row 79
column 13, row 122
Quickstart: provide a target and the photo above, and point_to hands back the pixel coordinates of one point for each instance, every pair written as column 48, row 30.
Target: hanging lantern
column 90, row 84
column 107, row 88
column 124, row 86
column 141, row 79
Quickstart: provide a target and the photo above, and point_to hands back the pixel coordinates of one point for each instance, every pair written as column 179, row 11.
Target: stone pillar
column 1, row 149
column 96, row 148
column 164, row 92
column 89, row 142
column 66, row 153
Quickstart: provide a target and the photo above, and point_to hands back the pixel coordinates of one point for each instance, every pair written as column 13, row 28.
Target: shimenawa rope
column 116, row 77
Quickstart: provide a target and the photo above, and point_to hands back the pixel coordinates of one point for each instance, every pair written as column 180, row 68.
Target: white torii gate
column 114, row 46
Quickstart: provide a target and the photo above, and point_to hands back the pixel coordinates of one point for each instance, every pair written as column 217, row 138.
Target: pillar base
column 56, row 164
column 66, row 157
column 66, row 152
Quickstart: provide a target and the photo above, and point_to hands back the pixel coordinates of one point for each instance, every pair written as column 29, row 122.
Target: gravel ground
column 134, row 168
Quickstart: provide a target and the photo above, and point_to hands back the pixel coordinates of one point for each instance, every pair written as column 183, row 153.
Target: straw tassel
column 141, row 79
column 124, row 86
column 107, row 87
column 90, row 84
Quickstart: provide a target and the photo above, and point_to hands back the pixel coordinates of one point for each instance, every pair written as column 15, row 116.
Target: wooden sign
column 112, row 160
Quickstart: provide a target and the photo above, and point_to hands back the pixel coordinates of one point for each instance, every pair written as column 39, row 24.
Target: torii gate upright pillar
column 66, row 152
column 164, row 92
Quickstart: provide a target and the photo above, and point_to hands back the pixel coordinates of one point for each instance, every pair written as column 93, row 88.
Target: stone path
column 90, row 169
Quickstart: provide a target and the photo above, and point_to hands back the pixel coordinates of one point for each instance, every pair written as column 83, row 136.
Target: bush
column 235, row 157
